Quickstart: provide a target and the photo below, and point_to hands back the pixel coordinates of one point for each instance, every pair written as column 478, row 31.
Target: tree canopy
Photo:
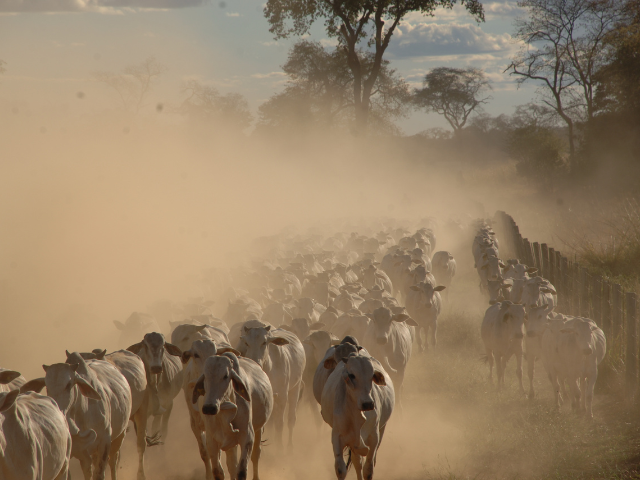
column 319, row 90
column 351, row 22
column 453, row 92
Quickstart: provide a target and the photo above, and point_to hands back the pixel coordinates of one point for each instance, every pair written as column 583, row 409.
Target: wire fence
column 580, row 293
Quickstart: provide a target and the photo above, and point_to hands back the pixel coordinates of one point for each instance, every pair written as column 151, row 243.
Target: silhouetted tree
column 133, row 84
column 538, row 152
column 205, row 104
column 564, row 47
column 453, row 92
column 351, row 22
column 319, row 90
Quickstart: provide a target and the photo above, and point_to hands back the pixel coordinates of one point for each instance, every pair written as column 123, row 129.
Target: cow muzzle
column 382, row 340
column 210, row 409
column 367, row 406
column 156, row 369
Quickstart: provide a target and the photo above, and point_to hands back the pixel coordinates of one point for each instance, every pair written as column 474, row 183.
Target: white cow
column 502, row 334
column 184, row 335
column 389, row 338
column 193, row 360
column 357, row 402
column 96, row 401
column 535, row 325
column 330, row 360
column 282, row 357
column 443, row 268
column 424, row 305
column 35, row 443
column 164, row 377
column 580, row 347
column 538, row 291
column 238, row 401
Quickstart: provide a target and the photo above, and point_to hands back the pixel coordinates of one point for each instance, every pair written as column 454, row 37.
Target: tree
column 319, row 90
column 538, row 152
column 350, row 22
column 133, row 84
column 205, row 104
column 564, row 47
column 453, row 92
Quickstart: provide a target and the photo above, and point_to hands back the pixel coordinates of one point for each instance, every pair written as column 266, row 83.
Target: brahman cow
column 424, row 305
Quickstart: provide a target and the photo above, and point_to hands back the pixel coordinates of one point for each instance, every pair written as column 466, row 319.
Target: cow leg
column 200, row 438
column 64, row 472
column 357, row 464
column 140, row 425
column 338, row 451
column 500, row 365
column 373, row 441
column 434, row 331
column 588, row 392
column 232, row 463
column 518, row 371
column 583, row 394
column 255, row 453
column 575, row 394
column 553, row 378
column 530, row 370
column 246, row 447
column 114, row 454
column 421, row 346
column 293, row 398
column 86, row 464
column 277, row 416
column 490, row 360
column 101, row 458
column 213, row 449
column 165, row 422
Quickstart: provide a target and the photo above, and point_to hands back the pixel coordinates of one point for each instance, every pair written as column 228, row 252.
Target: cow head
column 382, row 318
column 493, row 267
column 63, row 385
column 359, row 374
column 221, row 375
column 499, row 290
column 151, row 351
column 428, row 293
column 536, row 320
column 513, row 317
column 8, row 376
column 202, row 349
column 581, row 329
column 532, row 290
column 184, row 335
column 318, row 343
column 256, row 340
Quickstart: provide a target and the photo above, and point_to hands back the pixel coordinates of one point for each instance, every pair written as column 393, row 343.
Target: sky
column 51, row 48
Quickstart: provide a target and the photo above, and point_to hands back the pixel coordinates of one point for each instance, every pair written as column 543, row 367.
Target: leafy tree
column 453, row 92
column 538, row 151
column 133, row 84
column 319, row 90
column 205, row 104
column 563, row 48
column 350, row 22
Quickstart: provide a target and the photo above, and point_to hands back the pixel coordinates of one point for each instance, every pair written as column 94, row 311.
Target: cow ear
column 35, row 385
column 415, row 288
column 279, row 341
column 86, row 389
column 439, row 288
column 239, row 386
column 119, row 325
column 135, row 348
column 186, row 356
column 334, row 340
column 288, row 328
column 532, row 270
column 200, row 328
column 223, row 350
column 267, row 328
column 411, row 322
column 172, row 350
column 502, row 265
column 8, row 376
column 198, row 389
column 378, row 379
column 317, row 326
column 100, row 354
column 400, row 317
column 8, row 399
column 330, row 363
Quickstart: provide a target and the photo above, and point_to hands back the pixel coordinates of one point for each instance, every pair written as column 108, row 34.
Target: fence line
column 580, row 294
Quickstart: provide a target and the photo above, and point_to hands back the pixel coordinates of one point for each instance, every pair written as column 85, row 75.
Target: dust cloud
column 103, row 215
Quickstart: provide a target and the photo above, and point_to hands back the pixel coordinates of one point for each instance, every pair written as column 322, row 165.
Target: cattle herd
column 325, row 322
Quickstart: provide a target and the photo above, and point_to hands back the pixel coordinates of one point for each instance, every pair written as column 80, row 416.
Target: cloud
column 432, row 39
column 97, row 6
column 232, row 14
column 268, row 75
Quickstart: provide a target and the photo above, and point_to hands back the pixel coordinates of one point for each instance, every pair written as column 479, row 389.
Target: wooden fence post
column 567, row 290
column 575, row 302
column 537, row 258
column 527, row 253
column 606, row 309
column 596, row 300
column 584, row 292
column 616, row 310
column 544, row 260
column 632, row 345
column 553, row 269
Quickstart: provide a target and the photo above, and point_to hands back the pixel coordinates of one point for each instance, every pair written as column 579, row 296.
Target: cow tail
column 348, row 458
column 301, row 390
